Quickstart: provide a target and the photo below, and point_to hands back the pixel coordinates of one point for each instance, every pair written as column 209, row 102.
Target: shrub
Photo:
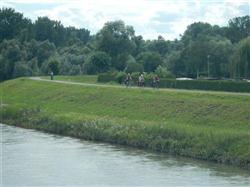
column 206, row 85
column 120, row 77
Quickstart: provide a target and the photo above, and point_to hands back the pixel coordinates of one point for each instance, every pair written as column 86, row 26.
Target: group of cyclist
column 141, row 81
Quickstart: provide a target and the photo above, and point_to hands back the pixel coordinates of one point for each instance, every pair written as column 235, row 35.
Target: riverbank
column 206, row 126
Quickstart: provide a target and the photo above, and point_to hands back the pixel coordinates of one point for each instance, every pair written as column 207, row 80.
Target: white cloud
column 6, row 4
column 141, row 14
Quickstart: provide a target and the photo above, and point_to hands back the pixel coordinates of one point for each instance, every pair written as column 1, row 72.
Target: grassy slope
column 79, row 78
column 201, row 125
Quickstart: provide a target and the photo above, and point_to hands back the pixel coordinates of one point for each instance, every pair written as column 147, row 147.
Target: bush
column 120, row 77
column 163, row 72
column 206, row 85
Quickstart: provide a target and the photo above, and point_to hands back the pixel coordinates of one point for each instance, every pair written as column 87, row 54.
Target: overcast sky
column 149, row 18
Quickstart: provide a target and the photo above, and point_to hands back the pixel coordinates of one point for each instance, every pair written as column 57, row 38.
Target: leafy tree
column 116, row 39
column 161, row 46
column 134, row 67
column 150, row 60
column 54, row 66
column 175, row 64
column 238, row 28
column 163, row 72
column 220, row 50
column 22, row 69
column 33, row 65
column 241, row 59
column 3, row 69
column 75, row 70
column 12, row 23
column 45, row 50
column 44, row 28
column 194, row 31
column 140, row 45
column 98, row 62
column 77, row 36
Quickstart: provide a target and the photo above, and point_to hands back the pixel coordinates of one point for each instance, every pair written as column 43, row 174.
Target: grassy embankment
column 208, row 126
column 78, row 78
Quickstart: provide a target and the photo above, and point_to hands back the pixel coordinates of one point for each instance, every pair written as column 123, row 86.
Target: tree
column 163, row 72
column 161, row 46
column 116, row 39
column 238, row 28
column 175, row 64
column 45, row 50
column 75, row 70
column 195, row 30
column 241, row 59
column 44, row 29
column 21, row 69
column 98, row 62
column 150, row 60
column 54, row 66
column 134, row 67
column 12, row 23
column 220, row 50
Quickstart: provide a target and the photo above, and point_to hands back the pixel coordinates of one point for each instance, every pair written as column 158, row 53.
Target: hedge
column 216, row 85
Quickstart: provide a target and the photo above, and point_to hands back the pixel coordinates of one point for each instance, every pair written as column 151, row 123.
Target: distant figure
column 141, row 81
column 51, row 75
column 128, row 80
column 154, row 82
column 157, row 81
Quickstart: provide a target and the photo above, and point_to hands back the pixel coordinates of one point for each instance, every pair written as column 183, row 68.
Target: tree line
column 35, row 48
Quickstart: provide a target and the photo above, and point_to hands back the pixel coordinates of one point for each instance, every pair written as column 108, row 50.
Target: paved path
column 133, row 87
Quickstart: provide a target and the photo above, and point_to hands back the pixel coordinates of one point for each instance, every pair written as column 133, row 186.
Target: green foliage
column 120, row 77
column 163, row 72
column 12, row 24
column 228, row 86
column 206, row 85
column 133, row 67
column 238, row 28
column 241, row 59
column 54, row 66
column 22, row 69
column 75, row 70
column 160, row 46
column 107, row 77
column 98, row 62
column 77, row 51
column 115, row 38
column 150, row 60
column 44, row 51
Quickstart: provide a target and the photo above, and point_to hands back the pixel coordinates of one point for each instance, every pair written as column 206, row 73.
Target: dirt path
column 147, row 88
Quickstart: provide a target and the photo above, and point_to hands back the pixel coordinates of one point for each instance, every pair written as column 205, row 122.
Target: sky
column 150, row 18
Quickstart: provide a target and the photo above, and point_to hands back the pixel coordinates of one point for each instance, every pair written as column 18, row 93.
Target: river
column 32, row 158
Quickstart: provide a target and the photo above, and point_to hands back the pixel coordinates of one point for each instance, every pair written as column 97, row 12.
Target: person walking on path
column 157, row 81
column 128, row 80
column 141, row 81
column 51, row 75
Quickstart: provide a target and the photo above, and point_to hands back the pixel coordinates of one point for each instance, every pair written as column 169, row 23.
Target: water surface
column 31, row 158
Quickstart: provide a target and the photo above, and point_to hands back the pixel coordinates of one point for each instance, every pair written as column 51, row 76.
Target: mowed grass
column 209, row 126
column 78, row 78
